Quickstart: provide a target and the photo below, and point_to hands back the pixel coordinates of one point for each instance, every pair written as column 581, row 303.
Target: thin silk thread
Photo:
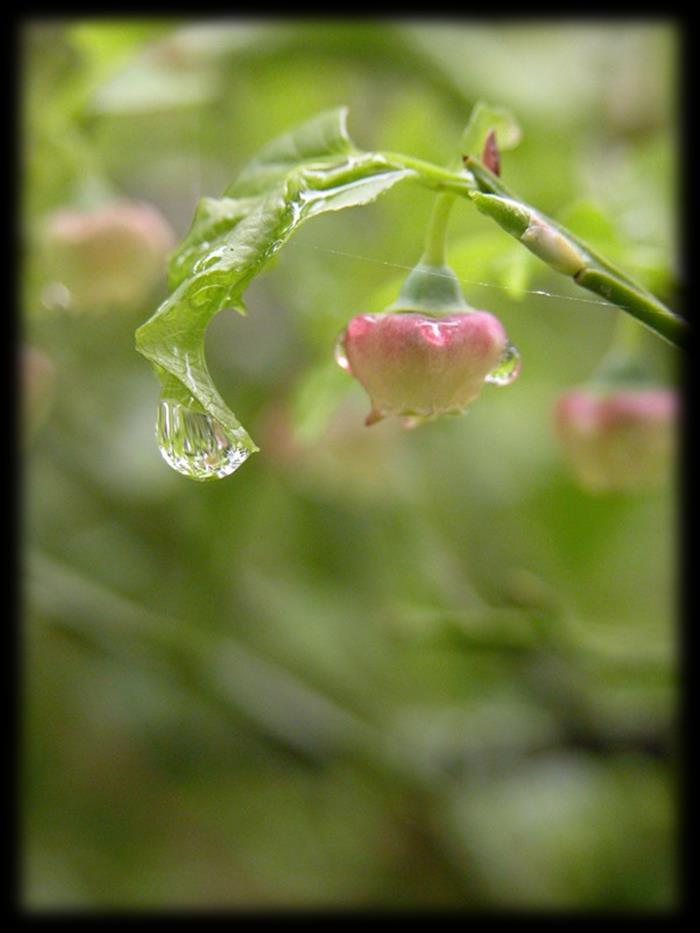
column 395, row 265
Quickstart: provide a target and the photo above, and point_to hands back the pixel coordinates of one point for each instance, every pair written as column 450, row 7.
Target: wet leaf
column 313, row 169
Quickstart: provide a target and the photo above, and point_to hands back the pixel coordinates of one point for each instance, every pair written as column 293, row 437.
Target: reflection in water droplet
column 507, row 368
column 196, row 444
column 339, row 353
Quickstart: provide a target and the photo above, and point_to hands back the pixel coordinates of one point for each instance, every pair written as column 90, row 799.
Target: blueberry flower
column 107, row 257
column 618, row 438
column 417, row 366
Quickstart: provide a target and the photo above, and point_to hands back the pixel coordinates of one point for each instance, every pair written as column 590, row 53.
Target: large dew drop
column 507, row 369
column 195, row 444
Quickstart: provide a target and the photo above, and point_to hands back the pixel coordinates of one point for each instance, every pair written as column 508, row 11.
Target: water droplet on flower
column 339, row 353
column 196, row 444
column 507, row 369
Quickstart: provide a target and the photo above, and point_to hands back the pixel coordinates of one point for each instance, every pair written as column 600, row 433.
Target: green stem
column 637, row 302
column 230, row 244
column 436, row 235
column 593, row 273
column 432, row 176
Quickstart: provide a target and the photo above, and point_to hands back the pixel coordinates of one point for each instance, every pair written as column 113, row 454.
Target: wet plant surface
column 366, row 667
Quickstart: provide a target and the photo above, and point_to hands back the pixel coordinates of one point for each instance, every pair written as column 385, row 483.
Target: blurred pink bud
column 108, row 257
column 38, row 375
column 620, row 438
column 416, row 366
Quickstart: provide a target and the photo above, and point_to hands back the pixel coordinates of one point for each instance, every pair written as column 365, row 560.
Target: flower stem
column 637, row 302
column 595, row 274
column 436, row 235
column 553, row 242
column 432, row 176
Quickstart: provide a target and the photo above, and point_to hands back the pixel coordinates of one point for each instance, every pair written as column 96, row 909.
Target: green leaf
column 318, row 140
column 309, row 171
column 337, row 176
column 588, row 220
column 213, row 219
column 485, row 118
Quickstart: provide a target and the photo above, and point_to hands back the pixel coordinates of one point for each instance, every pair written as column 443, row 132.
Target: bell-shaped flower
column 618, row 438
column 417, row 366
column 107, row 257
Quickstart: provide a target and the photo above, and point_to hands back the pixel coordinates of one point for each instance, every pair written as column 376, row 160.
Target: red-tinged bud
column 418, row 367
column 618, row 439
column 108, row 257
column 490, row 156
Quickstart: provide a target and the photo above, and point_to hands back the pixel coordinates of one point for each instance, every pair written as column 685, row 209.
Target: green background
column 374, row 667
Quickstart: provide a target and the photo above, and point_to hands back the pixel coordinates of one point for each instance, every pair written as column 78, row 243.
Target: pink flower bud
column 416, row 366
column 111, row 256
column 618, row 439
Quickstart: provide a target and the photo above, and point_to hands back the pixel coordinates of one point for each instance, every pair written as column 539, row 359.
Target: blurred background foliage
column 373, row 668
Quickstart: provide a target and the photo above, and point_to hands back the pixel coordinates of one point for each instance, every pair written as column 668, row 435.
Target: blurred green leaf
column 488, row 258
column 150, row 86
column 483, row 119
column 549, row 833
column 315, row 397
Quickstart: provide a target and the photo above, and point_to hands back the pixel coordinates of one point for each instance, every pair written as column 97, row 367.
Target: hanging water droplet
column 507, row 369
column 339, row 353
column 196, row 444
